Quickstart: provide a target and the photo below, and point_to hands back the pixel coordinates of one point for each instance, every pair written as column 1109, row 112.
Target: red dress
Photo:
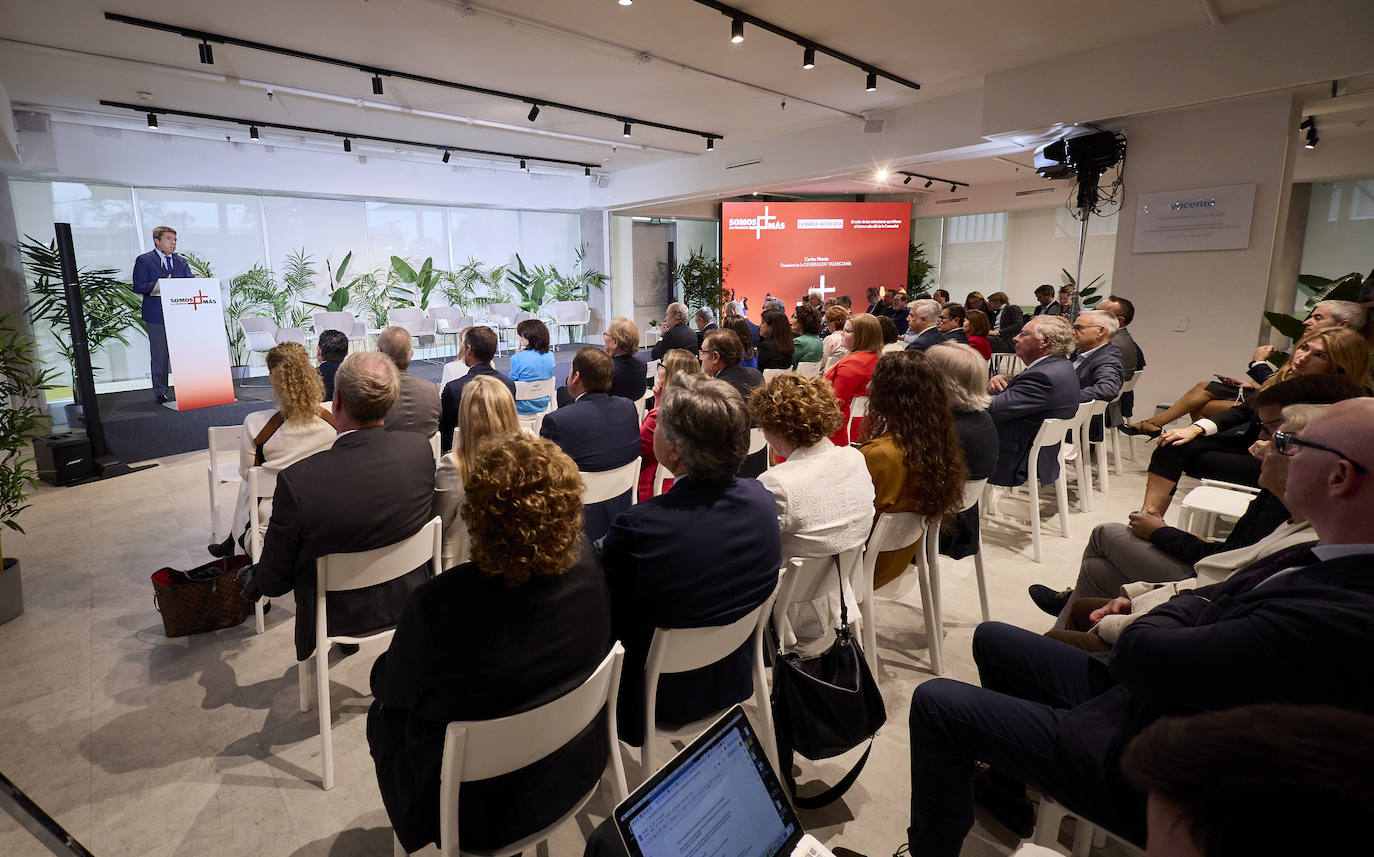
column 980, row 344
column 850, row 378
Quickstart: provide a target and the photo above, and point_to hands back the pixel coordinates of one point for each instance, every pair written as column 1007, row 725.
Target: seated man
column 631, row 374
column 730, row 568
column 722, row 354
column 331, row 349
column 373, row 488
column 1007, row 318
column 951, row 323
column 417, row 405
column 1292, row 627
column 1132, row 358
column 1046, row 389
column 706, row 322
column 901, row 313
column 675, row 332
column 597, row 431
column 922, row 331
column 479, row 346
column 1097, row 362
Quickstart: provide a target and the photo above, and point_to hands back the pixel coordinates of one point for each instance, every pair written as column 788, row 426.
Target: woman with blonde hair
column 486, row 410
column 622, row 343
column 832, row 347
column 679, row 361
column 863, row 340
column 274, row 440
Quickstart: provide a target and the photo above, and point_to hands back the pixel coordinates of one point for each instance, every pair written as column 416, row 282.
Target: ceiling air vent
column 951, row 201
column 874, row 126
column 1037, row 191
column 749, row 163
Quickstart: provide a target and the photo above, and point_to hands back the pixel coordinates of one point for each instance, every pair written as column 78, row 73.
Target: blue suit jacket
column 926, row 338
column 1047, row 390
column 598, row 432
column 1100, row 374
column 659, row 580
column 147, row 271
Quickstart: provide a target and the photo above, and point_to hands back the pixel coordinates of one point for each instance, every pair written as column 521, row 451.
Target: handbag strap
column 831, row 794
column 273, row 423
column 844, row 610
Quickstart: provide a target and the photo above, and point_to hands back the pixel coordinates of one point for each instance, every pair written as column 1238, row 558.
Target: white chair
column 453, row 370
column 571, row 314
column 1047, row 821
column 679, row 650
column 344, row 322
column 223, row 439
column 1213, row 499
column 895, row 530
column 1078, row 452
column 809, row 370
column 973, row 493
column 770, row 374
column 434, row 446
column 651, row 337
column 757, row 444
column 450, row 321
column 805, row 579
column 1098, row 448
column 503, row 317
column 858, row 409
column 414, row 320
column 259, row 333
column 527, row 390
column 340, row 572
column 1051, row 433
column 1007, row 363
column 262, row 484
column 603, row 485
column 642, row 403
column 661, row 473
column 481, row 749
column 290, row 334
column 651, row 373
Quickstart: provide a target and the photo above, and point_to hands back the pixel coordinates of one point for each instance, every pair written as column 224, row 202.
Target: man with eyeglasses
column 951, row 324
column 1293, row 627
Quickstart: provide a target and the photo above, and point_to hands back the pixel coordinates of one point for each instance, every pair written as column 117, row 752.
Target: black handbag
column 825, row 706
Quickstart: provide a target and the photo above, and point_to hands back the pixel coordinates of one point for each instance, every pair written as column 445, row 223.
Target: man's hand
column 1264, row 352
column 1111, row 608
column 1178, row 437
column 249, row 584
column 997, row 383
column 1143, row 524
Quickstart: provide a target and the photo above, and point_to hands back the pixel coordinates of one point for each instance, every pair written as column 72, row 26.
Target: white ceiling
column 664, row 60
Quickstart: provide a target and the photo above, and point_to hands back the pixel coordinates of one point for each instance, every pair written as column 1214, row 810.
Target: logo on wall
column 196, row 300
column 760, row 224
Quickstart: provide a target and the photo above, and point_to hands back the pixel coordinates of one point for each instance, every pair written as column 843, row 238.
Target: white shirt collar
column 1082, row 355
column 1038, row 359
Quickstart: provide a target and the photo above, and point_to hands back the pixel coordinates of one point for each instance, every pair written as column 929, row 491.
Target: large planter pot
column 238, row 372
column 11, row 591
column 76, row 416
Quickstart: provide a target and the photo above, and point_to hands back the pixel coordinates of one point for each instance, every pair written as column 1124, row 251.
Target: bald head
column 1334, row 487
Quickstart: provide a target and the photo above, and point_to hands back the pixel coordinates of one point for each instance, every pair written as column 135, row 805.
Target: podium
column 196, row 343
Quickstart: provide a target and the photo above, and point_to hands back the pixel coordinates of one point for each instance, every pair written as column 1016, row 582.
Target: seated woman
column 965, row 376
column 832, row 347
column 533, row 362
column 631, row 376
column 822, row 492
column 806, row 336
column 911, row 448
column 526, row 621
column 863, row 340
column 976, row 329
column 274, row 440
column 975, row 301
column 740, row 326
column 1208, row 449
column 675, row 362
column 775, row 341
column 891, row 340
column 485, row 411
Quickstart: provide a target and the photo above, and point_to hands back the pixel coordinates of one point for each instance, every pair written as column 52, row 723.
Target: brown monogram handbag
column 204, row 599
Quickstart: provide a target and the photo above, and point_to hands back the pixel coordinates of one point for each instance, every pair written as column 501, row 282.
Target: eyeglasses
column 1287, row 444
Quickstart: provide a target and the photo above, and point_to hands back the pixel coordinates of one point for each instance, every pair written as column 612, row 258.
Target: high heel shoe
column 1139, row 429
column 223, row 549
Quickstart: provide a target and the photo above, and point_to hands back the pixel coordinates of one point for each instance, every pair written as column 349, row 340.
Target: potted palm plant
column 22, row 378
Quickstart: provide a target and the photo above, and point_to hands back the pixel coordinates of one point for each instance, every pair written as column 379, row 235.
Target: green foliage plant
column 1089, row 295
column 1345, row 288
column 415, row 288
column 22, row 378
column 577, row 285
column 919, row 269
column 531, row 284
column 702, row 280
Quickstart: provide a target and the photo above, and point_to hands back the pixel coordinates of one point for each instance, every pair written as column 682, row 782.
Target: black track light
column 1306, row 123
column 809, row 58
column 929, row 183
column 446, row 156
column 872, row 84
column 207, row 54
column 1310, row 126
column 522, row 165
column 152, row 120
column 376, row 84
column 627, row 129
column 953, row 188
column 587, row 171
column 534, row 112
column 253, row 132
column 348, row 145
column 906, row 180
column 710, row 144
column 736, row 30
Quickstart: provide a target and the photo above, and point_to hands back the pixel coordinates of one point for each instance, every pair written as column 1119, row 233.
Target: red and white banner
column 786, row 249
column 196, row 342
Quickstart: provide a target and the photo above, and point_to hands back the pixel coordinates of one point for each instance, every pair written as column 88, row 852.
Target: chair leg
column 1047, row 821
column 303, row 677
column 765, row 718
column 870, row 634
column 933, row 630
column 1033, row 489
column 1083, row 832
column 259, row 619
column 1102, row 475
column 326, row 727
column 1116, row 449
column 214, row 506
column 931, row 545
column 1061, row 487
column 982, row 581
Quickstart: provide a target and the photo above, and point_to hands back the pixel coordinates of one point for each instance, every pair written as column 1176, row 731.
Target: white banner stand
column 196, row 343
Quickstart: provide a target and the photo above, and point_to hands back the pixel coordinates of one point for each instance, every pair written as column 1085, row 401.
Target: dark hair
column 955, row 312
column 482, row 340
column 889, row 329
column 979, row 321
column 595, row 367
column 779, row 330
column 847, row 301
column 706, row 420
column 1127, row 313
column 907, row 399
column 1308, row 390
column 333, row 345
column 942, row 292
column 1261, row 779
column 159, row 231
column 536, row 333
column 809, row 320
column 1045, row 291
column 872, row 291
column 736, row 325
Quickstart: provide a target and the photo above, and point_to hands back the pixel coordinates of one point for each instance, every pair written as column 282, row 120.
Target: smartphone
column 1226, row 379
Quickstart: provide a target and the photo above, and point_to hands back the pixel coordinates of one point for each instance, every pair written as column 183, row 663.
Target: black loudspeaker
column 63, row 459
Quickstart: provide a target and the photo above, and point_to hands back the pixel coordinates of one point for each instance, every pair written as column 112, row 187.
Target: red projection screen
column 785, row 249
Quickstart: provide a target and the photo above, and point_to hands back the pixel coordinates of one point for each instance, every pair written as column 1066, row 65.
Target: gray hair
column 367, row 384
column 1347, row 311
column 965, row 375
column 1104, row 318
column 737, row 306
column 676, row 310
column 707, row 315
column 1057, row 331
column 395, row 343
column 773, row 303
column 926, row 309
column 706, row 421
column 1297, row 417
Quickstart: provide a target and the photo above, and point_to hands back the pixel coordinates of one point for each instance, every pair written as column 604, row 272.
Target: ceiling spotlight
column 627, row 129
column 882, row 175
column 446, row 156
column 1306, row 123
column 207, row 55
column 736, row 30
column 929, row 183
column 534, row 112
column 1311, row 140
column 710, row 144
column 906, row 180
column 522, row 165
column 953, row 188
column 376, row 84
column 152, row 120
column 872, row 84
column 587, row 171
column 253, row 132
column 348, row 145
column 809, row 58
column 624, row 3
column 1310, row 126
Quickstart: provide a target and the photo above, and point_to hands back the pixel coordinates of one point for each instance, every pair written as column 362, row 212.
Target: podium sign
column 196, row 342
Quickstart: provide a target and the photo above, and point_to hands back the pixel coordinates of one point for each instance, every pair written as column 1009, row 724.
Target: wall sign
column 1207, row 218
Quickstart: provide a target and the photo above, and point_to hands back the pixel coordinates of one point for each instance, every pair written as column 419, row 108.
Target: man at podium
column 159, row 263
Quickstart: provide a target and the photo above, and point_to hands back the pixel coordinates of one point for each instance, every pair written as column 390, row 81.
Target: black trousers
column 1226, row 458
column 158, row 360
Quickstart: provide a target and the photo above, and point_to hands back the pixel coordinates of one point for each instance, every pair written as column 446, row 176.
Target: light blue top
column 531, row 366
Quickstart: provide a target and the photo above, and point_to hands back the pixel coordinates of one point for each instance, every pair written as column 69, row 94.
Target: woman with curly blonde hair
column 679, row 361
column 525, row 621
column 486, row 410
column 274, row 440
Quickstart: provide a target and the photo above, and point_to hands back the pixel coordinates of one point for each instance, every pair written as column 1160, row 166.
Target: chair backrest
column 642, row 404
column 338, row 572
column 604, row 485
column 571, row 312
column 660, row 474
column 893, row 530
column 651, row 373
column 1130, row 383
column 808, row 578
column 453, row 370
column 858, row 407
column 259, row 333
column 343, row 322
column 680, row 650
column 290, row 334
column 448, row 319
column 223, row 439
column 757, row 443
column 504, row 314
column 434, row 446
column 1007, row 363
column 411, row 318
column 262, row 484
column 1230, row 486
column 809, row 370
column 527, row 390
column 973, row 492
column 1052, row 432
column 770, row 374
column 1098, row 407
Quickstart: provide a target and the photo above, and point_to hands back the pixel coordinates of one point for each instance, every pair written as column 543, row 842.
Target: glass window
column 412, row 232
column 1340, row 230
column 327, row 230
column 549, row 238
column 225, row 229
column 1042, row 243
column 491, row 236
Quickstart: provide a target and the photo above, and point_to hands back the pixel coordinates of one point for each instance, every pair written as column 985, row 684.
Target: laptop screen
column 717, row 798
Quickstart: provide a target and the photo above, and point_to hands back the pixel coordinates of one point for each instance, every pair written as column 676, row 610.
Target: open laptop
column 720, row 797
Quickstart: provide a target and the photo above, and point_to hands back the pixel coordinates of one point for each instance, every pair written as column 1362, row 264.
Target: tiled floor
column 143, row 745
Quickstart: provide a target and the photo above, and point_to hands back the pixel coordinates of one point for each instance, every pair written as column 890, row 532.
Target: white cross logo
column 761, row 223
column 823, row 289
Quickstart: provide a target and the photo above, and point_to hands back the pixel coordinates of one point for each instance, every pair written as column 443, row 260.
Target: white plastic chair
column 770, row 374
column 453, row 370
column 571, row 314
column 1048, row 819
column 809, row 370
column 1007, row 363
column 661, row 473
column 1083, row 472
column 1051, row 433
column 290, row 334
column 223, row 439
column 642, row 404
column 481, row 749
column 504, row 317
column 678, row 650
column 858, row 409
column 651, row 373
column 527, row 390
column 450, row 321
column 340, row 572
column 344, row 322
column 1213, row 499
column 973, row 493
column 262, row 484
column 259, row 333
column 602, row 485
column 894, row 530
column 806, row 578
column 1098, row 448
column 434, row 446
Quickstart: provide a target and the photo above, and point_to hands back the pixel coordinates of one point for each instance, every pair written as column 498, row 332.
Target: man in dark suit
column 417, row 404
column 597, row 431
column 721, row 357
column 1132, row 358
column 924, row 330
column 901, row 313
column 1290, row 628
column 1046, row 304
column 951, row 324
column 162, row 262
column 738, row 308
column 706, row 322
column 371, row 489
column 1046, row 389
column 702, row 437
column 1007, row 318
column 878, row 303
column 1097, row 362
column 676, row 332
column 479, row 346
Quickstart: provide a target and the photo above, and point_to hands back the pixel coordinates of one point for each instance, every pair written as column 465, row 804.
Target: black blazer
column 327, row 369
column 772, row 357
column 1008, row 321
column 742, row 378
column 470, row 647
column 631, row 377
column 701, row 334
column 956, row 335
column 658, row 580
column 978, row 436
column 598, row 432
column 926, row 338
column 1051, row 308
column 678, row 336
column 371, row 489
column 453, row 395
column 1264, row 515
